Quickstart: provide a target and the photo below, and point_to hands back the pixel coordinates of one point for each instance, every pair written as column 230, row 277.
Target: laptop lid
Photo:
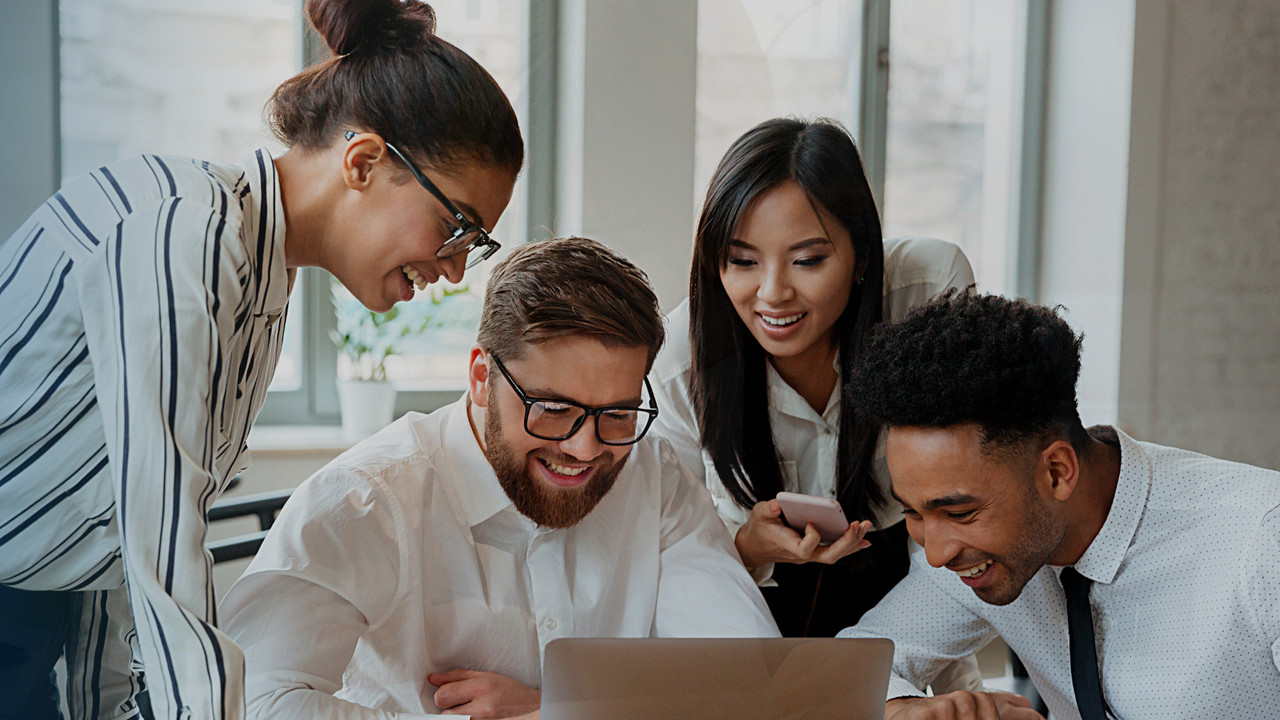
column 738, row 679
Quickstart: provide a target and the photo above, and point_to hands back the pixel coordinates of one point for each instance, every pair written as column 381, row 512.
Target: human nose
column 775, row 286
column 940, row 545
column 584, row 443
column 453, row 267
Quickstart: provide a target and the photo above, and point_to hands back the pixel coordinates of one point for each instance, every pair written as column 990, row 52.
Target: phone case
column 827, row 516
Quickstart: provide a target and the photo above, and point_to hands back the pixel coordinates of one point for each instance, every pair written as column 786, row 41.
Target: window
column 933, row 91
column 445, row 317
column 954, row 108
column 176, row 77
column 188, row 77
column 759, row 59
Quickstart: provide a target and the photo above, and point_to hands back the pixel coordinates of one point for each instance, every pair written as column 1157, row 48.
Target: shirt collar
column 784, row 398
column 471, row 477
column 1101, row 561
column 263, row 226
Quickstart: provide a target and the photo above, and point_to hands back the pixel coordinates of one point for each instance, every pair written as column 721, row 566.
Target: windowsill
column 455, row 386
column 286, row 440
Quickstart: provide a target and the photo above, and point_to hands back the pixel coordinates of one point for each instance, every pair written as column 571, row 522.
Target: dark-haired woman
column 790, row 273
column 144, row 307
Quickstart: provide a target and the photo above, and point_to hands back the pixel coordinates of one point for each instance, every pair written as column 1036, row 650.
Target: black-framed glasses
column 550, row 419
column 466, row 236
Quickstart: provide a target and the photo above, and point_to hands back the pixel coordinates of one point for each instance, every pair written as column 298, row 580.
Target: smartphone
column 827, row 516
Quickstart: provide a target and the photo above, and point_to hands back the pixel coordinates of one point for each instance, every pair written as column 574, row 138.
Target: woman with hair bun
column 144, row 310
column 790, row 274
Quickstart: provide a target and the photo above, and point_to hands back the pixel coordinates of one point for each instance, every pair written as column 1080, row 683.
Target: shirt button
column 549, row 623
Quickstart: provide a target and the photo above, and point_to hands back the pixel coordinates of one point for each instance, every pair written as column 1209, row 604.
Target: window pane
column 177, row 77
column 759, row 59
column 443, row 318
column 289, row 366
column 953, row 110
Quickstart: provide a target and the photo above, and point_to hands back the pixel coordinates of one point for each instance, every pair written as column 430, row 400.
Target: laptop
column 735, row 679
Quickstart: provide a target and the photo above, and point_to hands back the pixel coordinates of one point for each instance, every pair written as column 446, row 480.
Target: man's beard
column 1039, row 538
column 542, row 503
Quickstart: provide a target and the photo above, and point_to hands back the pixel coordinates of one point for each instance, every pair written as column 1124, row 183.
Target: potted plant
column 365, row 338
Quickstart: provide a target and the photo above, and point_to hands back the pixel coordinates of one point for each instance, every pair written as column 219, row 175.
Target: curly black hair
column 1007, row 365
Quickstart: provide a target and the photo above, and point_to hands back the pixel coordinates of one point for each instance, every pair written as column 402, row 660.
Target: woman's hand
column 765, row 538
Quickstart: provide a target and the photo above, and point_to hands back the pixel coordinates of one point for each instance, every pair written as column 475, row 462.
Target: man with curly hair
column 1133, row 580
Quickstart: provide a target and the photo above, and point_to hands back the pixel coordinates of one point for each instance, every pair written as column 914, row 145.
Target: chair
column 263, row 505
column 1023, row 686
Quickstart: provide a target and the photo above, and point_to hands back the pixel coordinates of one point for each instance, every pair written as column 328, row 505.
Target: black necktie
column 1084, row 656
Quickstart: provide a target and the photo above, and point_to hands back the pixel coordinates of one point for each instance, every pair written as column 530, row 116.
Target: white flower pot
column 367, row 406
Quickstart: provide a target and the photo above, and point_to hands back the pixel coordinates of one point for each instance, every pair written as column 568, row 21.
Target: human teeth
column 975, row 570
column 779, row 322
column 562, row 470
column 414, row 277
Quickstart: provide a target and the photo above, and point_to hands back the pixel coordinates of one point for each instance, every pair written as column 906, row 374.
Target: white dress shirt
column 404, row 557
column 1186, row 599
column 144, row 309
column 915, row 270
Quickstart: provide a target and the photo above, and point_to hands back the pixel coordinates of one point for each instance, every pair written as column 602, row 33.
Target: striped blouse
column 143, row 309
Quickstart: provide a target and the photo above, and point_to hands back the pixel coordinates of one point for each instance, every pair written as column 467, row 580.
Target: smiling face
column 790, row 273
column 392, row 227
column 980, row 516
column 556, row 483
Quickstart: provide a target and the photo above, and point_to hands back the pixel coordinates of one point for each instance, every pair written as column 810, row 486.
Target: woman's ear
column 362, row 153
column 478, row 377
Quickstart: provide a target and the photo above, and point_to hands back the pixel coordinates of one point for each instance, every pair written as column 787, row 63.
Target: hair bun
column 347, row 25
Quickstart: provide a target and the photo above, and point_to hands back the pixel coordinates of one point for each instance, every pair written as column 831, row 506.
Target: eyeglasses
column 466, row 235
column 560, row 419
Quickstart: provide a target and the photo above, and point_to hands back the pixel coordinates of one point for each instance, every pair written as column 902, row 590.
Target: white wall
column 1200, row 365
column 1085, row 174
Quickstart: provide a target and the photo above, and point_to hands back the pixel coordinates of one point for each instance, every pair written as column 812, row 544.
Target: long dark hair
column 729, row 385
column 392, row 75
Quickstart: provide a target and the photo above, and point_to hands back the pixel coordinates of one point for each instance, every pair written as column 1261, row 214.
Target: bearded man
column 1133, row 580
column 424, row 571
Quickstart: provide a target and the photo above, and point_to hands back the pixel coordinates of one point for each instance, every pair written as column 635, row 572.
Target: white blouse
column 143, row 311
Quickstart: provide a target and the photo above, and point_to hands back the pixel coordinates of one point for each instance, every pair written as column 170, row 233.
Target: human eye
column 811, row 260
column 550, row 407
column 961, row 515
column 451, row 224
column 742, row 262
